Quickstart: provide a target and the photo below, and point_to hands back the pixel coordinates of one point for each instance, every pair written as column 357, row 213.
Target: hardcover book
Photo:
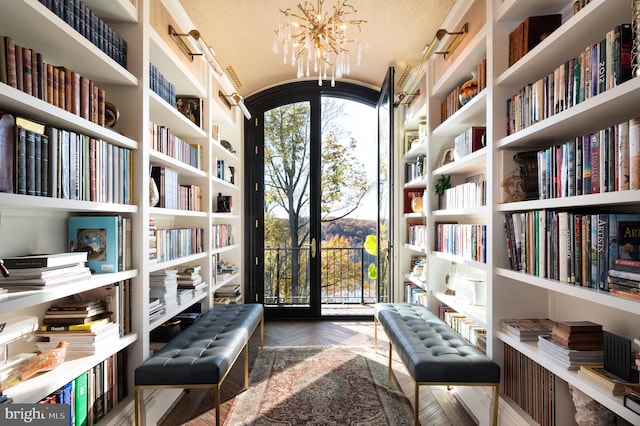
column 98, row 236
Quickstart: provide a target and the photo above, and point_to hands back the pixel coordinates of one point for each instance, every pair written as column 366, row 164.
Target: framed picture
column 446, row 156
column 191, row 108
column 409, row 138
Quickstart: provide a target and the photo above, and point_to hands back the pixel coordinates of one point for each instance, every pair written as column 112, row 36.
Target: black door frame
column 254, row 179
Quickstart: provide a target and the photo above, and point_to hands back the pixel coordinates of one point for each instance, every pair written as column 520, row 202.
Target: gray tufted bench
column 202, row 354
column 433, row 353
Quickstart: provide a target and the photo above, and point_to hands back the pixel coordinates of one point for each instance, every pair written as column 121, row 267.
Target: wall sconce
column 239, row 102
column 407, row 97
column 441, row 34
column 202, row 46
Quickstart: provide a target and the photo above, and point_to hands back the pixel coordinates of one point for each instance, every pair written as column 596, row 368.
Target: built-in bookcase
column 32, row 224
column 509, row 293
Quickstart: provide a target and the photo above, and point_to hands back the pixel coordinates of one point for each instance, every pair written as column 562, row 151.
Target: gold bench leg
column 261, row 334
column 390, row 371
column 375, row 333
column 216, row 397
column 246, row 365
column 416, row 393
column 494, row 408
column 138, row 413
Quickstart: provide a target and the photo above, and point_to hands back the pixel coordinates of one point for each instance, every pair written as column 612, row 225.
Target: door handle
column 313, row 248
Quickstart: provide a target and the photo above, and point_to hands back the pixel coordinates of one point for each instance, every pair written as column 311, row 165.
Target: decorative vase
column 469, row 89
column 416, row 204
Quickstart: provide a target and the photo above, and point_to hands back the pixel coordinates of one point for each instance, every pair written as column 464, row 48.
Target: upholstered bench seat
column 202, row 354
column 432, row 352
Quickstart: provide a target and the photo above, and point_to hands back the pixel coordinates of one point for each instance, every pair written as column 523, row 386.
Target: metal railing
column 344, row 278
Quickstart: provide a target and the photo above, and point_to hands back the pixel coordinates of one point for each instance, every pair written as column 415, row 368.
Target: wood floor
column 195, row 408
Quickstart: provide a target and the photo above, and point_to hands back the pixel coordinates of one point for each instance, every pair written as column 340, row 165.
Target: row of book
column 162, row 87
column 600, row 67
column 451, row 103
column 604, row 161
column 45, row 161
column 221, row 235
column 466, row 327
column 571, row 247
column 468, row 241
column 471, row 193
column 85, row 21
column 176, row 243
column 415, row 294
column 415, row 169
column 416, row 234
column 165, row 141
column 530, row 385
column 172, row 194
column 25, row 69
column 469, row 141
column 94, row 393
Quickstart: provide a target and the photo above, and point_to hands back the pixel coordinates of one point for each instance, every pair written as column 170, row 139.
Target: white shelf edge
column 175, row 262
column 592, row 295
column 20, row 300
column 19, row 103
column 159, row 158
column 608, row 198
column 460, row 260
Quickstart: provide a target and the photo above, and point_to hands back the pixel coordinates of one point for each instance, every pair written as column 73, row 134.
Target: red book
column 84, row 97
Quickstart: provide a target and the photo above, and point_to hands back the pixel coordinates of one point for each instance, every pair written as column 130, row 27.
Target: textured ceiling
column 241, row 34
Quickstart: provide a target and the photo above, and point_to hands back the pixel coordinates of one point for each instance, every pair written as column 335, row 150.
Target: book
column 527, row 329
column 577, row 326
column 81, row 403
column 62, row 320
column 75, row 314
column 98, row 235
column 612, row 383
column 628, row 237
column 7, row 147
column 45, row 260
column 632, row 402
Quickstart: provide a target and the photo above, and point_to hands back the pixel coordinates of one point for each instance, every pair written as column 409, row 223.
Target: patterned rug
column 320, row 385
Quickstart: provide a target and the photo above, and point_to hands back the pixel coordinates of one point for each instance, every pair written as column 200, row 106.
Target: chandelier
column 313, row 40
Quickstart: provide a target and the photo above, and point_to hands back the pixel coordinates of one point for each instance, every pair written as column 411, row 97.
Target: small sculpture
column 44, row 361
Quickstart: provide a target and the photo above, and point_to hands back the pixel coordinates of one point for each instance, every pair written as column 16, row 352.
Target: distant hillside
column 355, row 230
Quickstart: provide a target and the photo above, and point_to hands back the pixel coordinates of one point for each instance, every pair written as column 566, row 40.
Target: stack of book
column 156, row 308
column 230, row 291
column 163, row 285
column 571, row 359
column 578, row 335
column 609, row 381
column 42, row 271
column 190, row 283
column 85, row 325
column 527, row 329
column 574, row 343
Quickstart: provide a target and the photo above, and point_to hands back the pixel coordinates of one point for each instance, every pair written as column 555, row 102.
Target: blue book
column 99, row 236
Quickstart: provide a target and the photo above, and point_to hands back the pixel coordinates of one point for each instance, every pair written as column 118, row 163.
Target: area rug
column 320, row 385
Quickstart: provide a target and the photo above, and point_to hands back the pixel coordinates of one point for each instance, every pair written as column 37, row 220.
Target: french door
column 284, row 146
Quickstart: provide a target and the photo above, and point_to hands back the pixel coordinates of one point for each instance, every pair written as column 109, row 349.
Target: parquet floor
column 195, row 408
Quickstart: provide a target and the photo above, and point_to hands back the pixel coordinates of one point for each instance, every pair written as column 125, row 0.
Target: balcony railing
column 344, row 277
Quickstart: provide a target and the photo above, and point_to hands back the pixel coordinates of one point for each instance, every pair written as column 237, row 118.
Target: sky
column 361, row 121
